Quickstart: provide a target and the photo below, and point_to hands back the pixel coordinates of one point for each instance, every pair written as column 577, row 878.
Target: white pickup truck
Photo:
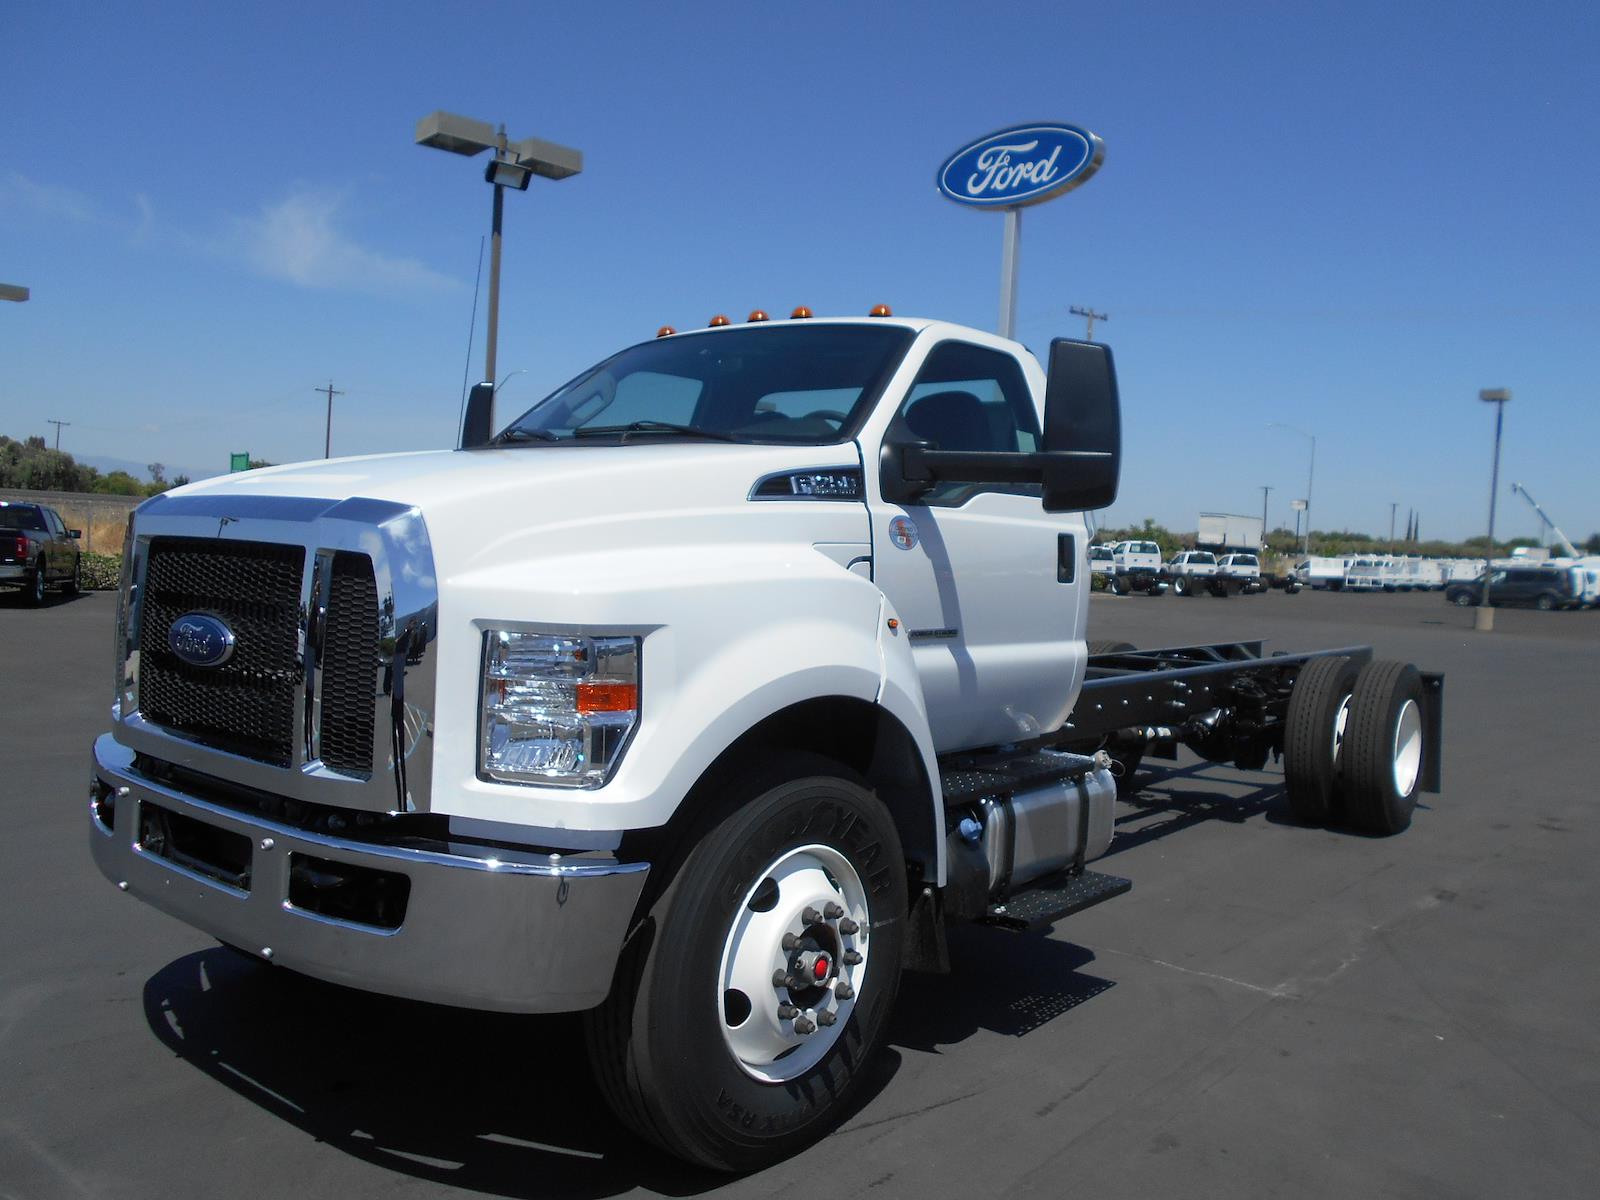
column 701, row 698
column 1136, row 567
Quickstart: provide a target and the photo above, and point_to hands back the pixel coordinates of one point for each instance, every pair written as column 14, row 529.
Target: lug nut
column 811, row 917
column 847, row 927
column 826, row 1017
column 803, row 1025
column 843, row 991
column 832, row 911
column 787, row 1012
column 780, row 979
column 791, row 941
column 850, row 958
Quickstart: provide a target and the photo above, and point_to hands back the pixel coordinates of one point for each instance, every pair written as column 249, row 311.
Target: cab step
column 1050, row 899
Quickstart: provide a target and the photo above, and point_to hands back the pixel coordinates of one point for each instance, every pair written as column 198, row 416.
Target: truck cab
column 1241, row 566
column 1192, row 571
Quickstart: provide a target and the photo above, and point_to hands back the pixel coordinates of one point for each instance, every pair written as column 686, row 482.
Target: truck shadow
column 502, row 1104
column 1006, row 983
column 1170, row 800
column 487, row 1102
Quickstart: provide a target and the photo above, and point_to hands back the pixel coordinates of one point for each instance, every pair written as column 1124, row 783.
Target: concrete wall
column 102, row 518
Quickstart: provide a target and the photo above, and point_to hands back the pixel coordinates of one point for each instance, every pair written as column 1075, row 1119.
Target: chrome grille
column 350, row 665
column 247, row 704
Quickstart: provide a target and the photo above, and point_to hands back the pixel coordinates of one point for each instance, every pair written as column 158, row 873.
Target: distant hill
column 139, row 470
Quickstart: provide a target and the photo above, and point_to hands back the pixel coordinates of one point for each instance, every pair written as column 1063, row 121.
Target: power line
column 58, row 425
column 327, row 443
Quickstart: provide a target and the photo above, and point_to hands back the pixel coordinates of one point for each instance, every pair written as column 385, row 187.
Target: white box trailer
column 1229, row 531
column 1321, row 572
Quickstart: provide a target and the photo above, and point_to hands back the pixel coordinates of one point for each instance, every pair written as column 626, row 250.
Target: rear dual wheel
column 751, row 998
column 1354, row 744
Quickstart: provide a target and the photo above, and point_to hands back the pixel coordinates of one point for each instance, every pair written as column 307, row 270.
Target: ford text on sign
column 1022, row 165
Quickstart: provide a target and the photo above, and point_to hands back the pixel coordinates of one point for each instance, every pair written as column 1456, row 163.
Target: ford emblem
column 1025, row 164
column 201, row 640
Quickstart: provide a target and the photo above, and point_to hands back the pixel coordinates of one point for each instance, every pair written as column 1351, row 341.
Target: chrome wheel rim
column 1341, row 718
column 1407, row 748
column 777, row 1032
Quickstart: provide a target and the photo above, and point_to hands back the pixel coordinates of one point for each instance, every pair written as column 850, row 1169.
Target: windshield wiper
column 622, row 431
column 524, row 435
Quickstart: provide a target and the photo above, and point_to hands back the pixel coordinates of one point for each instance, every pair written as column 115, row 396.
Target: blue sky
column 1346, row 217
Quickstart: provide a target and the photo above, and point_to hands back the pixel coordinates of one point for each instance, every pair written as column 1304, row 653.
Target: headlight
column 556, row 708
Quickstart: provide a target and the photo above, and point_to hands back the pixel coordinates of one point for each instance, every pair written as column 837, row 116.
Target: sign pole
column 1010, row 249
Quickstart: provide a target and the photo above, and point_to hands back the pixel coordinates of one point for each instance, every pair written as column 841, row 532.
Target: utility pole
column 1090, row 317
column 327, row 441
column 1393, row 504
column 58, row 425
column 1266, row 490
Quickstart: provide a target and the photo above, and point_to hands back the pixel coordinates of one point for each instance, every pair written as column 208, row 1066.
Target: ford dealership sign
column 1021, row 165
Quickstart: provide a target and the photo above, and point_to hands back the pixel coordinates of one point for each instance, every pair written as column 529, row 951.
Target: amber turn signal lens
column 605, row 695
column 800, row 313
column 758, row 315
column 880, row 310
column 718, row 321
column 666, row 331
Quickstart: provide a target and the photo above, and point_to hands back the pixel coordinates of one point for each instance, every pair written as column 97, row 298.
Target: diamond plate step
column 1055, row 897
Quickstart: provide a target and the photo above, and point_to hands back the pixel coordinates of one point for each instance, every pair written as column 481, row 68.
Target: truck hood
column 557, row 496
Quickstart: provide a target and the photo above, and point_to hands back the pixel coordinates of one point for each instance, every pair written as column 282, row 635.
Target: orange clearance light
column 800, row 313
column 607, row 695
column 718, row 321
column 758, row 315
column 893, row 624
column 666, row 331
column 880, row 310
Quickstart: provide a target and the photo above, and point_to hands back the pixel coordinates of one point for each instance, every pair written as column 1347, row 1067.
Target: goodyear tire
column 1384, row 748
column 700, row 1048
column 1314, row 729
column 1118, row 585
column 75, row 584
column 36, row 586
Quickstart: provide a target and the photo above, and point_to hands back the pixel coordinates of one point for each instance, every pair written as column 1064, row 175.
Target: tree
column 158, row 475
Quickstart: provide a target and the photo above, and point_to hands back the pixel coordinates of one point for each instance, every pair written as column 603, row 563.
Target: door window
column 967, row 397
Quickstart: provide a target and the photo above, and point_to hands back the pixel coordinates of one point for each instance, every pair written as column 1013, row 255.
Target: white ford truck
column 701, row 698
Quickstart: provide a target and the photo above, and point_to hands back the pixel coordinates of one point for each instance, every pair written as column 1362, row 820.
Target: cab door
column 990, row 589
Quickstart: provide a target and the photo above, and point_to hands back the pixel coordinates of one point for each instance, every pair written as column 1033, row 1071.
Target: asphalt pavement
column 1273, row 1010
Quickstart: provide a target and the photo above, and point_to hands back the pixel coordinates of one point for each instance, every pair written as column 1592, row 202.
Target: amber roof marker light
column 800, row 314
column 666, row 331
column 718, row 321
column 880, row 310
column 757, row 316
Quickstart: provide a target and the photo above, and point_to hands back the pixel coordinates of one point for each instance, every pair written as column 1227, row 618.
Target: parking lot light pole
column 513, row 165
column 1497, row 397
column 1311, row 476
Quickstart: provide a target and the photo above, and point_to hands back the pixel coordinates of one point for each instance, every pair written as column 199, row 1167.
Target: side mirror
column 1083, row 425
column 477, row 423
column 75, row 534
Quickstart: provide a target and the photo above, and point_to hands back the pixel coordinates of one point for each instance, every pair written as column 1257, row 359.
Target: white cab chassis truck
column 1136, row 567
column 700, row 699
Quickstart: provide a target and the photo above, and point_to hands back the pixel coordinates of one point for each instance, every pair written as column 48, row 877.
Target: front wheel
column 1461, row 600
column 75, row 584
column 749, row 1002
column 1545, row 602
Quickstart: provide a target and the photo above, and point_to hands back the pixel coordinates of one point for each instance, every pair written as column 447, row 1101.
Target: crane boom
column 1571, row 550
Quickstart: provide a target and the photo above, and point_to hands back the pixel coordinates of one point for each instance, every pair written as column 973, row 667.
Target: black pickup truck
column 37, row 550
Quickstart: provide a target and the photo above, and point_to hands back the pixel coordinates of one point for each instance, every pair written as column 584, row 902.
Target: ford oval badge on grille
column 201, row 640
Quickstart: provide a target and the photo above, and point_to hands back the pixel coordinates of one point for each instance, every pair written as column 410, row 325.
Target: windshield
column 802, row 384
column 13, row 517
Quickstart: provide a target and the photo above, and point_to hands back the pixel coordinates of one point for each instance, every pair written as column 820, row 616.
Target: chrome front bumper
column 522, row 932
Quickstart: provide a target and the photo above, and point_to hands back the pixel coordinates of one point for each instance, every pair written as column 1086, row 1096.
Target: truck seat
column 951, row 421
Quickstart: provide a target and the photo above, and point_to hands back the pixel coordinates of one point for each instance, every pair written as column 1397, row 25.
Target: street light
column 13, row 291
column 1497, row 397
column 513, row 165
column 1310, row 476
